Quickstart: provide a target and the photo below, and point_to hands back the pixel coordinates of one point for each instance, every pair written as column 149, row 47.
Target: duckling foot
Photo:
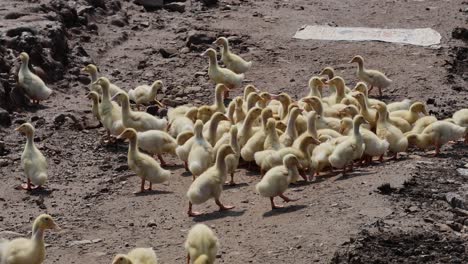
column 28, row 186
column 287, row 199
column 273, row 205
column 230, row 183
column 191, row 213
column 223, row 207
column 163, row 163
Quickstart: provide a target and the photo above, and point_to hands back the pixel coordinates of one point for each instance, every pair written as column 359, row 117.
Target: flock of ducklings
column 285, row 138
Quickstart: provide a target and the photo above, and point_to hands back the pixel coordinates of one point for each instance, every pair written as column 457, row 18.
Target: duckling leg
column 223, row 207
column 380, row 92
column 188, row 258
column 231, row 182
column 163, row 163
column 192, row 213
column 287, row 199
column 381, row 158
column 142, row 187
column 370, row 89
column 303, row 174
column 395, row 157
column 273, row 205
column 28, row 186
column 437, row 149
column 150, row 188
column 193, row 177
column 186, row 166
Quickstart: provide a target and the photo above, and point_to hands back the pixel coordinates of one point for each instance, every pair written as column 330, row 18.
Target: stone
column 463, row 172
column 209, row 2
column 150, row 3
column 177, row 7
column 5, row 119
column 3, row 162
column 118, row 21
column 197, row 38
column 168, row 52
column 455, row 200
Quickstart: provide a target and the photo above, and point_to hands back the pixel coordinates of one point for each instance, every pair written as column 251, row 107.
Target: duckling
column 385, row 130
column 33, row 85
column 266, row 98
column 157, row 142
column 180, row 124
column 411, row 115
column 185, row 141
column 222, row 75
column 351, row 149
column 201, row 153
column 437, row 134
column 349, row 111
column 287, row 139
column 322, row 121
column 339, row 84
column 421, row 124
column 232, row 160
column 140, row 121
column 96, row 108
column 212, row 131
column 33, row 161
column 248, row 89
column 174, row 112
column 368, row 113
column 251, row 101
column 276, row 181
column 137, row 256
column 316, row 85
column 142, row 164
column 280, row 104
column 255, row 143
column 210, row 183
column 321, row 153
column 461, row 118
column 246, row 130
column 272, row 136
column 372, row 77
column 362, row 87
column 312, row 131
column 110, row 112
column 374, row 146
column 205, row 112
column 92, row 70
column 239, row 111
column 144, row 94
column 330, row 72
column 231, row 60
column 28, row 251
column 202, row 245
column 403, row 105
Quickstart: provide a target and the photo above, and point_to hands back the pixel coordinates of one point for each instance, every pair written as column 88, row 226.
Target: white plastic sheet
column 417, row 36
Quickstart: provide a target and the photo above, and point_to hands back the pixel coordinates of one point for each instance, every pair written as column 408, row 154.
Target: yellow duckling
column 256, row 142
column 212, row 131
column 137, row 256
column 272, row 136
column 185, row 141
column 330, row 73
column 276, row 181
column 251, row 101
column 33, row 161
column 246, row 130
column 248, row 89
column 385, row 130
column 368, row 113
column 266, row 98
column 140, row 121
column 210, row 183
column 321, row 153
column 349, row 111
column 239, row 111
column 287, row 139
column 28, row 251
column 110, row 112
column 95, row 108
column 92, row 70
column 339, row 84
column 231, row 60
column 362, row 87
column 202, row 245
column 157, row 142
column 372, row 77
column 316, row 86
column 351, row 149
column 232, row 160
column 421, row 124
column 374, row 146
column 183, row 123
column 322, row 121
column 395, row 106
column 437, row 134
column 142, row 164
column 461, row 118
column 411, row 115
column 144, row 94
column 280, row 105
column 201, row 154
column 33, row 85
column 222, row 75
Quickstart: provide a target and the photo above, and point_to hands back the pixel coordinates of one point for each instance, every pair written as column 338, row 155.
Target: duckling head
column 43, row 222
column 211, row 53
column 192, row 113
column 296, row 111
column 183, row 137
column 221, row 41
column 253, row 98
column 25, row 129
column 120, row 97
column 221, row 88
column 329, row 71
column 255, row 112
column 336, row 81
column 418, row 107
column 351, row 110
column 158, row 84
column 24, row 57
column 225, row 150
column 271, row 124
column 267, row 113
column 359, row 96
column 121, row 259
column 198, row 128
column 357, row 59
column 359, row 120
column 250, row 88
column 313, row 100
column 345, row 124
column 103, row 81
column 290, row 160
column 360, row 87
column 238, row 102
column 93, row 95
column 266, row 97
column 128, row 133
column 219, row 117
column 282, row 97
column 90, row 68
column 316, row 82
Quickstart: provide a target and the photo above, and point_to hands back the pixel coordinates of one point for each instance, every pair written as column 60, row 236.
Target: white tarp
column 417, row 36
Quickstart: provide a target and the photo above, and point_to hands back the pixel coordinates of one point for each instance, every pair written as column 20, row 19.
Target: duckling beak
column 84, row 69
column 18, row 129
column 114, row 98
column 203, row 54
column 224, row 117
column 121, row 135
column 158, row 103
column 55, row 227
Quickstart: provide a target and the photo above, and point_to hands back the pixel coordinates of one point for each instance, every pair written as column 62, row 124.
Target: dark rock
column 14, row 15
column 97, row 3
column 153, row 110
column 460, row 33
column 122, row 167
column 5, row 119
column 430, row 101
column 455, row 200
column 60, row 119
column 150, row 3
column 118, row 21
column 197, row 38
column 168, row 52
column 178, row 7
column 209, row 2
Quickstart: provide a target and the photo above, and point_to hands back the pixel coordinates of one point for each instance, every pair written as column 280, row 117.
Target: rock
column 3, row 162
column 97, row 3
column 209, row 2
column 118, row 21
column 460, row 33
column 14, row 15
column 150, row 3
column 5, row 119
column 168, row 52
column 178, row 7
column 197, row 38
column 430, row 101
column 151, row 223
column 463, row 172
column 60, row 119
column 455, row 200
column 84, row 242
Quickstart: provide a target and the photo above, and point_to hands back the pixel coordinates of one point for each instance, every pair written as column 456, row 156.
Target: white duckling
column 142, row 164
column 144, row 94
column 411, row 115
column 362, row 87
column 276, row 180
column 395, row 106
column 316, row 86
column 368, row 113
column 182, row 123
column 110, row 112
column 200, row 157
column 239, row 111
column 92, row 70
column 28, row 251
column 421, row 124
column 339, row 84
column 185, row 141
column 157, row 142
column 33, row 161
column 231, row 60
column 372, row 77
column 321, row 153
column 350, row 149
column 437, row 134
column 210, row 183
column 140, row 121
column 222, row 75
column 137, row 256
column 33, row 85
column 461, row 118
column 385, row 130
column 280, row 105
column 202, row 245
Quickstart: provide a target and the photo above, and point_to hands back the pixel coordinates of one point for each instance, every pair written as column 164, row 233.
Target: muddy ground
column 337, row 220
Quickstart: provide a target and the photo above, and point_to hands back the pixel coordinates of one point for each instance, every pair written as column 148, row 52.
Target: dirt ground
column 336, row 220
